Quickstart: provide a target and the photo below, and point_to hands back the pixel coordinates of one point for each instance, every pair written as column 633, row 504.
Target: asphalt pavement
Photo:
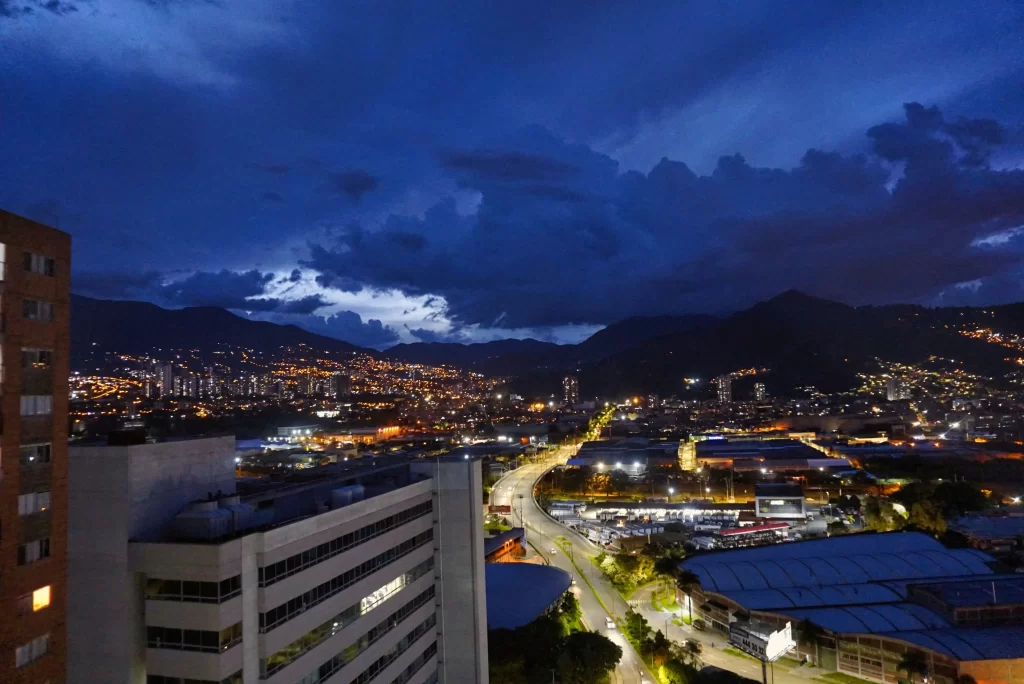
column 541, row 534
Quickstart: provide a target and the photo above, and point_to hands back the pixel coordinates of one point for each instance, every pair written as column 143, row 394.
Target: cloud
column 270, row 196
column 12, row 9
column 349, row 326
column 245, row 291
column 354, row 183
column 672, row 241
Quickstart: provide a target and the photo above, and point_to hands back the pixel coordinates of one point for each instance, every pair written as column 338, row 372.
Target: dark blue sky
column 390, row 170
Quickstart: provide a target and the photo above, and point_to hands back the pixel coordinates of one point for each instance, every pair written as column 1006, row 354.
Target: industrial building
column 756, row 454
column 347, row 573
column 35, row 273
column 634, row 455
column 861, row 604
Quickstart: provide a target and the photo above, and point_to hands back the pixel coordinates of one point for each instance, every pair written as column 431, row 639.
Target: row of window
column 199, row 592
column 194, row 639
column 286, row 611
column 32, row 651
column 37, row 263
column 33, row 551
column 319, row 634
column 33, row 502
column 34, row 454
column 275, row 572
column 37, row 310
column 428, row 656
column 325, row 671
column 349, row 653
column 160, row 679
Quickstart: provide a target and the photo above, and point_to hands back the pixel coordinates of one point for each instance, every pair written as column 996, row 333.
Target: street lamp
column 671, row 491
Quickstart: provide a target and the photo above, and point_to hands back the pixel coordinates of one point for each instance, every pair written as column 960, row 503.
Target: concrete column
column 459, row 553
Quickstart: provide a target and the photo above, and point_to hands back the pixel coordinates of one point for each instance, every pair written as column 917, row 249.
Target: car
column 573, row 577
column 552, row 552
column 698, row 624
column 694, row 646
column 609, row 623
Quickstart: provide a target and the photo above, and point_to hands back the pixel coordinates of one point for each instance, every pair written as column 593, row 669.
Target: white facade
column 353, row 593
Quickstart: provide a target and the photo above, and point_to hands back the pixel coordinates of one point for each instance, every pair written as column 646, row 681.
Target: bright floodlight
column 618, row 465
column 764, row 470
column 671, row 490
column 708, row 490
column 1016, row 499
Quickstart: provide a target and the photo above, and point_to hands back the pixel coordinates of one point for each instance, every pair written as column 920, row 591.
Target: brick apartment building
column 35, row 265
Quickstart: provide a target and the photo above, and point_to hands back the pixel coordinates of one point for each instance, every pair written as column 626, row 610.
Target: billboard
column 499, row 509
column 760, row 642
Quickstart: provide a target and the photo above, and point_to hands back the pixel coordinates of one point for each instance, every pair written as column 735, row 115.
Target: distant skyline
column 381, row 172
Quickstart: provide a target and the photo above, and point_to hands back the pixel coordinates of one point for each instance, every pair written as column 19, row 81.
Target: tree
column 675, row 671
column 956, row 498
column 914, row 664
column 925, row 516
column 687, row 580
column 570, row 610
column 636, row 627
column 586, row 658
column 618, row 480
column 880, row 516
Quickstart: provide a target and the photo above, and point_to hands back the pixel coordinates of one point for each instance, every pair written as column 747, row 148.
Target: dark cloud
column 354, row 184
column 270, row 196
column 115, row 285
column 295, row 276
column 506, row 165
column 12, row 9
column 349, row 326
column 673, row 241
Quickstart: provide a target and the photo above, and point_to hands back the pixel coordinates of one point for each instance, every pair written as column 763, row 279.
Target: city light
column 1016, row 499
column 618, row 465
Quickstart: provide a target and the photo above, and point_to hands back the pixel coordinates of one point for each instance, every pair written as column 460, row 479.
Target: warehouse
column 861, row 604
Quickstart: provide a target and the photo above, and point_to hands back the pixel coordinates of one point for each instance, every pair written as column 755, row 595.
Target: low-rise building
column 784, row 501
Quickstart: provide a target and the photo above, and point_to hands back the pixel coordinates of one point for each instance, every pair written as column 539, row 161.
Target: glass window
column 34, row 454
column 40, row 598
column 36, row 405
column 33, row 551
column 32, row 651
column 36, row 358
column 33, row 502
column 37, row 310
column 37, row 263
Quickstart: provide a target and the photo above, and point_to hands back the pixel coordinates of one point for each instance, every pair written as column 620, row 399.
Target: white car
column 552, row 552
column 609, row 623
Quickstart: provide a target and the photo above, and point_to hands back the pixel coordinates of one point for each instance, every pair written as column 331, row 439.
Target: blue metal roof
column 519, row 593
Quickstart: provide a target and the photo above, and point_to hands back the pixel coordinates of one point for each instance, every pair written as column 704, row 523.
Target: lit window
column 40, row 598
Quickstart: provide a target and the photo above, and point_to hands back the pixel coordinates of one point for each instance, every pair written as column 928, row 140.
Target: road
column 516, row 490
column 541, row 534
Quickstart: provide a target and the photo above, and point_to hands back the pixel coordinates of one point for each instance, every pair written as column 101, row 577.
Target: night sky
column 383, row 171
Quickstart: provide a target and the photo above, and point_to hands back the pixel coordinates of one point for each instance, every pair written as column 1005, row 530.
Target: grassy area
column 739, row 654
column 839, row 678
column 787, row 662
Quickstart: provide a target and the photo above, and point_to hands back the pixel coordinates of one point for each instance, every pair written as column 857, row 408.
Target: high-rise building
column 570, row 390
column 653, row 401
column 339, row 385
column 723, row 384
column 760, row 393
column 35, row 265
column 896, row 390
column 371, row 571
column 165, row 379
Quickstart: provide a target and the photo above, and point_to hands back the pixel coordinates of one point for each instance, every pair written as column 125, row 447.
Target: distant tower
column 896, row 389
column 570, row 390
column 165, row 378
column 724, row 383
column 760, row 393
column 339, row 385
column 653, row 401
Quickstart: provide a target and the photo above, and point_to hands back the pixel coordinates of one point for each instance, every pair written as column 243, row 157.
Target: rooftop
column 999, row 591
column 519, row 593
column 785, row 490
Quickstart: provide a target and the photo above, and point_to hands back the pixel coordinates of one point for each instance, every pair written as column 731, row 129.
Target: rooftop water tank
column 202, row 520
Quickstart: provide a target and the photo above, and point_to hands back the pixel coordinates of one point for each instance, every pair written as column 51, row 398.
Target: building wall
column 18, row 236
column 116, row 494
column 460, row 565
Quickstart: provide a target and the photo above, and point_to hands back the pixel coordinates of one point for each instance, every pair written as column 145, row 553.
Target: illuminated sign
column 763, row 645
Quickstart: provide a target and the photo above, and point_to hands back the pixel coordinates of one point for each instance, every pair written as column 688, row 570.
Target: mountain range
column 802, row 340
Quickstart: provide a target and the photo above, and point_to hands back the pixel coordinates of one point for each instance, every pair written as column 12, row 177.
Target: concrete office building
column 35, row 264
column 723, row 388
column 356, row 572
column 570, row 390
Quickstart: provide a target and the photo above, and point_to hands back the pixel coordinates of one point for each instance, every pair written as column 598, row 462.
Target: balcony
column 36, row 429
